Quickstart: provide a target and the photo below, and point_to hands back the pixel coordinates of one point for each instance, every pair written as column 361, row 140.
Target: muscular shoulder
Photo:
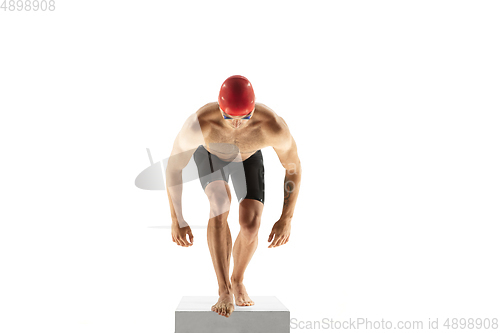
column 207, row 115
column 193, row 131
column 275, row 127
column 207, row 110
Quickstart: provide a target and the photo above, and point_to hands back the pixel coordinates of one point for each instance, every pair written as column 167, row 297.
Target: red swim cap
column 236, row 96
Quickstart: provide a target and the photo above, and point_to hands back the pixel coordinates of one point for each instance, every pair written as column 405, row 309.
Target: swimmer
column 226, row 138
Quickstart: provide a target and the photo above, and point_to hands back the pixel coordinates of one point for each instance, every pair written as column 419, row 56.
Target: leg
column 245, row 246
column 220, row 243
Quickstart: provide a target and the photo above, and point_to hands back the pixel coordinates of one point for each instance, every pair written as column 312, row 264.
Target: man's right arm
column 186, row 142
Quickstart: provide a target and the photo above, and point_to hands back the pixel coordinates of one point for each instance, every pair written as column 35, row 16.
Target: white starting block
column 268, row 315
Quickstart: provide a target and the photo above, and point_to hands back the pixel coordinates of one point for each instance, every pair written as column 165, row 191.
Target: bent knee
column 250, row 227
column 218, row 193
column 219, row 196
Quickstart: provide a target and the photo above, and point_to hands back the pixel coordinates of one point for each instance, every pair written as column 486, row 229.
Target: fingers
column 271, row 236
column 275, row 242
column 178, row 241
column 181, row 241
column 278, row 241
column 191, row 237
column 284, row 240
column 184, row 242
column 180, row 236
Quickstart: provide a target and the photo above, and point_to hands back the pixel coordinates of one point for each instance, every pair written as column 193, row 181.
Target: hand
column 281, row 233
column 179, row 235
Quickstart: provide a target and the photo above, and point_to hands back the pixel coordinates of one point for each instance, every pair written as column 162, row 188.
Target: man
column 226, row 139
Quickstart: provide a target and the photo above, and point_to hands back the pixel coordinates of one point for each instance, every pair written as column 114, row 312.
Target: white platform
column 268, row 315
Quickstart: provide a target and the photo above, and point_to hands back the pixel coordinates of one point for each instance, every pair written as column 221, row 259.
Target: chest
column 223, row 142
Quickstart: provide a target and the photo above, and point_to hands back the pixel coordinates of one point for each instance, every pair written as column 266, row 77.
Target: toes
column 244, row 303
column 247, row 302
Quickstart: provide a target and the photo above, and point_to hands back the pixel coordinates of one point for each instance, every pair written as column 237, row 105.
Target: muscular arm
column 186, row 142
column 285, row 147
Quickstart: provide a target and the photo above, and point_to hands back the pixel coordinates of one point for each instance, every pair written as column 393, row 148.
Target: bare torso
column 236, row 144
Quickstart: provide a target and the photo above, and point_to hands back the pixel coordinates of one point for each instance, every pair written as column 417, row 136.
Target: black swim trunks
column 247, row 176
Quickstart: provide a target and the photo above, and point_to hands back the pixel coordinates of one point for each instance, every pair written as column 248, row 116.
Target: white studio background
column 394, row 107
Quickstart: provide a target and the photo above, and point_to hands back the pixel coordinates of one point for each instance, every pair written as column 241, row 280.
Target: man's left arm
column 285, row 147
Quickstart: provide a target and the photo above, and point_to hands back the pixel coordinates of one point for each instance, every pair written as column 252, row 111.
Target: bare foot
column 224, row 305
column 240, row 294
